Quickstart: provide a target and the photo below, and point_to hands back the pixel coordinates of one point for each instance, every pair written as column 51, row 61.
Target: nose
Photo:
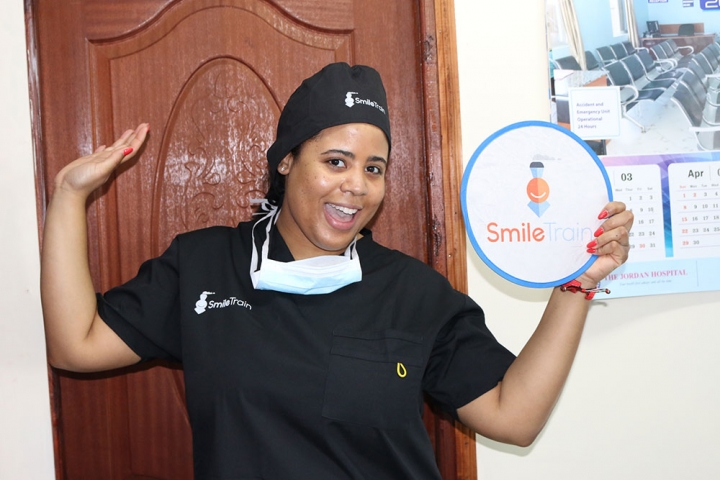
column 355, row 182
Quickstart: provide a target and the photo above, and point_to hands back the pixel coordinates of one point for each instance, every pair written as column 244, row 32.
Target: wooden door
column 211, row 77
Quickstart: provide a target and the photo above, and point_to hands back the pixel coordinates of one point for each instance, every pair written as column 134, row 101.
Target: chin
column 337, row 244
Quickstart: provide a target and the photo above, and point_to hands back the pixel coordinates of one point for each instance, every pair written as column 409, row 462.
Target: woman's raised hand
column 85, row 174
column 611, row 243
column 77, row 338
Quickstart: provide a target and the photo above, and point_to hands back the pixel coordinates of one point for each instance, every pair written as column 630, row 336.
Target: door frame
column 455, row 444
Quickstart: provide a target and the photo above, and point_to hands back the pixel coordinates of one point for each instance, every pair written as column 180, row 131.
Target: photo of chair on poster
column 639, row 82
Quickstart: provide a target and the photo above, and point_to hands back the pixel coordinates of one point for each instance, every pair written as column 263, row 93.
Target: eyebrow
column 373, row 158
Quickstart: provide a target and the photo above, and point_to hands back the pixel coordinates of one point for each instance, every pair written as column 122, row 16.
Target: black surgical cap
column 336, row 95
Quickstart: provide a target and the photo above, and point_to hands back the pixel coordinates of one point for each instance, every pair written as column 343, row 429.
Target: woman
column 306, row 346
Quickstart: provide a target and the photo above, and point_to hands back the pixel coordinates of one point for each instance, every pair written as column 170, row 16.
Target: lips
column 340, row 216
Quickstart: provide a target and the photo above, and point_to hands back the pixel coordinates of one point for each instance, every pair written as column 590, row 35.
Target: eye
column 337, row 162
column 374, row 169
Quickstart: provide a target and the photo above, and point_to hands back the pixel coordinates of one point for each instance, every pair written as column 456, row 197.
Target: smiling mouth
column 538, row 196
column 343, row 213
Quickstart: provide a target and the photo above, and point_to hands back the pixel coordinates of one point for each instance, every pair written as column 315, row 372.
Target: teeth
column 346, row 211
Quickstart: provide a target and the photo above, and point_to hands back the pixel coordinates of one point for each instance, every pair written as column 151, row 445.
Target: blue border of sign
column 463, row 200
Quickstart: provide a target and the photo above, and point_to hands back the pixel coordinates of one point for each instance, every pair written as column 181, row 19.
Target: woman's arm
column 77, row 338
column 516, row 410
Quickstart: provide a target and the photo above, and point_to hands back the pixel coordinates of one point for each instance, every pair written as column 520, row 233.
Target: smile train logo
column 202, row 304
column 349, row 100
column 538, row 190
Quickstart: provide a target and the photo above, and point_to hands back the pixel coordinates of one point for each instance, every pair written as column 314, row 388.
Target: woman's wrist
column 584, row 286
column 63, row 193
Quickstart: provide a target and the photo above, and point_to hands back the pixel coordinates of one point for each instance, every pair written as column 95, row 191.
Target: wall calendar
column 675, row 240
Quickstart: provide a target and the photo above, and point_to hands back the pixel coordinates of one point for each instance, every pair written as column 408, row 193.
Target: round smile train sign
column 531, row 194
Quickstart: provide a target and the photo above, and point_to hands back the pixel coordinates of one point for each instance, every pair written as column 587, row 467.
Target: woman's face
column 332, row 189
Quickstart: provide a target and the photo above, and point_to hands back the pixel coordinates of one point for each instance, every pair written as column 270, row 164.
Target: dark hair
column 276, row 180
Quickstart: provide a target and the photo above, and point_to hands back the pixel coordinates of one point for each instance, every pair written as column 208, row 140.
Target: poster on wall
column 663, row 160
column 675, row 239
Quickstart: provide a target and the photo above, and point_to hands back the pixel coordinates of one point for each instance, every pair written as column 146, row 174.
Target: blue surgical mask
column 310, row 276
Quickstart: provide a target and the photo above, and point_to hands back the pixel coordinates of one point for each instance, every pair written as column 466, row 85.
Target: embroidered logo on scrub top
column 203, row 304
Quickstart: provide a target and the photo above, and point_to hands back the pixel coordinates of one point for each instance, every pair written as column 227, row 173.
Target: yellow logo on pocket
column 401, row 370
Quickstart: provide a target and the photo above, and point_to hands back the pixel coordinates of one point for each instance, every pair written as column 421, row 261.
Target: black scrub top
column 283, row 386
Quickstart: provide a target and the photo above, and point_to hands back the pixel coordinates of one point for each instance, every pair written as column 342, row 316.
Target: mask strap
column 269, row 211
column 351, row 250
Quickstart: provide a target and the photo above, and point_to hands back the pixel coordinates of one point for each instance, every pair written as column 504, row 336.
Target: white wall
column 643, row 398
column 25, row 432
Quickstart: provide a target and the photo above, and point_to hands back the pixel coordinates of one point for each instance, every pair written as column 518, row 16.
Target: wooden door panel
column 157, row 410
column 105, row 19
column 92, row 425
column 213, row 111
column 211, row 77
column 213, row 153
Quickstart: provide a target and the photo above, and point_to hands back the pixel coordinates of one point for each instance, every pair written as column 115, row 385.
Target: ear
column 285, row 164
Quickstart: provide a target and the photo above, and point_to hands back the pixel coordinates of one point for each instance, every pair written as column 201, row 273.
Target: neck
column 299, row 245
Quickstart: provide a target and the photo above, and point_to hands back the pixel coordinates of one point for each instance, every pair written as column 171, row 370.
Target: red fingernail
column 592, row 244
column 599, row 232
column 603, row 214
column 127, row 151
column 591, row 250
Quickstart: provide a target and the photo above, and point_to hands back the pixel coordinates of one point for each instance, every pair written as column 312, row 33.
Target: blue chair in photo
column 630, row 95
column 707, row 136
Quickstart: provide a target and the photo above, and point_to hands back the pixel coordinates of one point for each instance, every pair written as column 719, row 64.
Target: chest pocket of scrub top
column 374, row 378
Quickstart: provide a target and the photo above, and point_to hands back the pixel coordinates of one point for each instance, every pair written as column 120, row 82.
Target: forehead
column 353, row 136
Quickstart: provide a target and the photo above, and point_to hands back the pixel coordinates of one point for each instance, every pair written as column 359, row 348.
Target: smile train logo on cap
column 351, row 101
